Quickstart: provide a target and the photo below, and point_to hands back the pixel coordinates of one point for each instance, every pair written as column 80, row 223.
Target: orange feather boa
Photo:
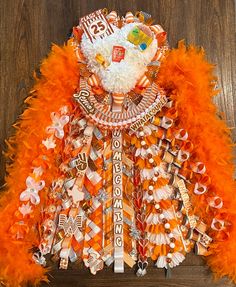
column 59, row 79
column 189, row 77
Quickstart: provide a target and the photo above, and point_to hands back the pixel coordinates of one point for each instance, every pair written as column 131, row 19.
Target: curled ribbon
column 217, row 224
column 199, row 167
column 31, row 193
column 215, row 202
column 166, row 123
column 199, row 188
column 58, row 124
column 181, row 135
column 183, row 155
column 187, row 146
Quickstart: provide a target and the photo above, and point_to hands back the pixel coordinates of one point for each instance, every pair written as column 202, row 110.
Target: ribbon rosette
column 58, row 124
column 31, row 192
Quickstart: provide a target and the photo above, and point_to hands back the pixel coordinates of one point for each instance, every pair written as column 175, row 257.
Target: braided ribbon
column 108, row 221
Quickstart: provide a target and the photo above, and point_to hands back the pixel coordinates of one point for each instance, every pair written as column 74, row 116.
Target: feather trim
column 188, row 77
column 53, row 91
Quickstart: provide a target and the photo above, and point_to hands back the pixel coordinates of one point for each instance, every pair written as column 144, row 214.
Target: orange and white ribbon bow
column 129, row 17
column 112, row 16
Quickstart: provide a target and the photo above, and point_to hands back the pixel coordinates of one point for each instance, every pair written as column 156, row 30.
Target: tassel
column 168, row 271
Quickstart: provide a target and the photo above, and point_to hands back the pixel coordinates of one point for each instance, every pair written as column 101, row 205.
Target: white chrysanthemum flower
column 118, row 77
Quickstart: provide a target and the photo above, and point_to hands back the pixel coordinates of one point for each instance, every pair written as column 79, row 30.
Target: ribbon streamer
column 118, row 202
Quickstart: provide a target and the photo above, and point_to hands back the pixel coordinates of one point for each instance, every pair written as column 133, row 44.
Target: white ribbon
column 183, row 155
column 31, row 193
column 57, row 246
column 117, row 202
column 58, row 124
column 93, row 176
column 65, row 253
column 181, row 135
column 219, row 222
column 199, row 188
column 39, row 258
column 72, row 255
column 69, row 183
column 212, row 201
column 141, row 272
column 199, row 167
column 166, row 123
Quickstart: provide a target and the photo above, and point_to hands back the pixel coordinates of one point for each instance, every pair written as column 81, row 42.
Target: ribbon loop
column 199, row 188
column 215, row 202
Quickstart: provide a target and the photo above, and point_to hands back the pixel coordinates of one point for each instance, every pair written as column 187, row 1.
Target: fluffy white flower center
column 118, row 77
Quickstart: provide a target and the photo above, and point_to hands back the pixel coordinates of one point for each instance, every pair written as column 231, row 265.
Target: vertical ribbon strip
column 118, row 201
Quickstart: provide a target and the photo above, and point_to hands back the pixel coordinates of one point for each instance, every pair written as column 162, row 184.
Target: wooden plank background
column 27, row 30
